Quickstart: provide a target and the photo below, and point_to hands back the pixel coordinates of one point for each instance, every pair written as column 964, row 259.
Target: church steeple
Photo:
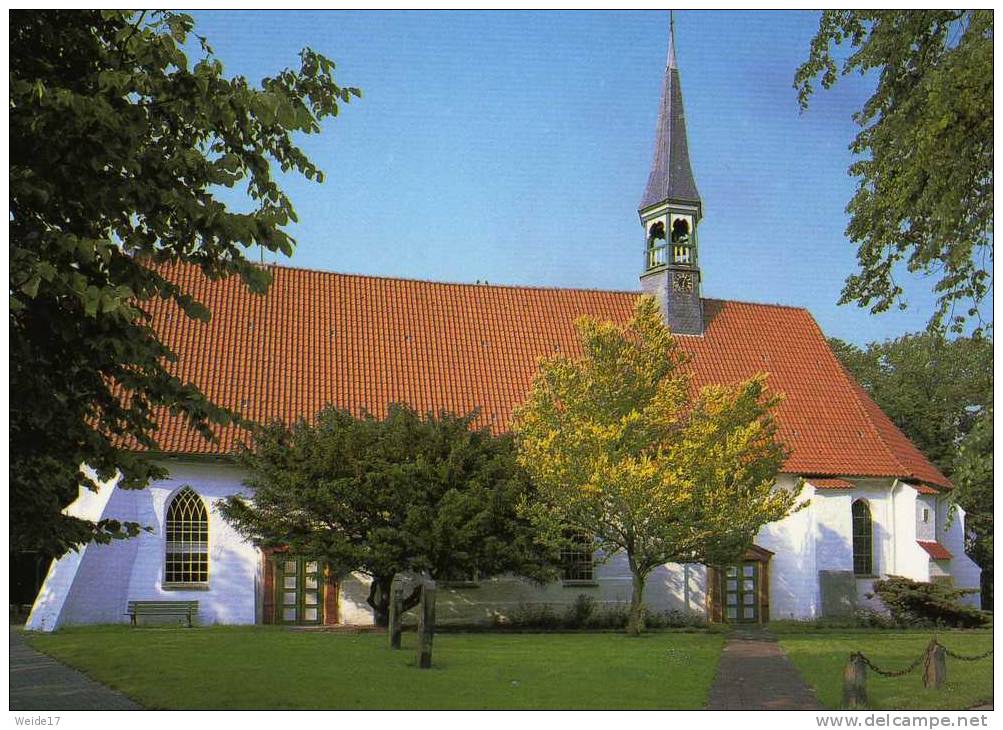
column 670, row 212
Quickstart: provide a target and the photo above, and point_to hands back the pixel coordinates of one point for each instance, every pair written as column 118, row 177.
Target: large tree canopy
column 925, row 151
column 940, row 393
column 625, row 453
column 401, row 494
column 118, row 149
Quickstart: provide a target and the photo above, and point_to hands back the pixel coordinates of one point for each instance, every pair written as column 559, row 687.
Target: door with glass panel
column 299, row 589
column 741, row 592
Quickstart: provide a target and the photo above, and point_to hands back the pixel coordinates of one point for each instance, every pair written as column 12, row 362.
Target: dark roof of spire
column 671, row 177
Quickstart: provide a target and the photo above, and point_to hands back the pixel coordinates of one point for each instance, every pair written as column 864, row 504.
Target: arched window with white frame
column 186, row 561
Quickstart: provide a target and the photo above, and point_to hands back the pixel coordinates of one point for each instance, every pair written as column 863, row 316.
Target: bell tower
column 670, row 213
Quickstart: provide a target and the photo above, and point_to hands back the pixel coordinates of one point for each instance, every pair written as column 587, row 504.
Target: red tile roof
column 935, row 549
column 830, row 483
column 363, row 342
column 924, row 489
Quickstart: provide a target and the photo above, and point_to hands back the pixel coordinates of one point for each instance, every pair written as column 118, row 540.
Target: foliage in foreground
column 913, row 603
column 624, row 453
column 273, row 668
column 425, row 494
column 118, row 150
column 925, row 151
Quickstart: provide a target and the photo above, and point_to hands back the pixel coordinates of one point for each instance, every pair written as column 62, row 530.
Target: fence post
column 426, row 623
column 935, row 672
column 394, row 620
column 855, row 682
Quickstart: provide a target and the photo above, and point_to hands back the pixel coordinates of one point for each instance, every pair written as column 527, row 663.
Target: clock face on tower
column 682, row 282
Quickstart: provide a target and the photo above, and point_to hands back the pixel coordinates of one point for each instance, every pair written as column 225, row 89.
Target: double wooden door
column 299, row 590
column 741, row 591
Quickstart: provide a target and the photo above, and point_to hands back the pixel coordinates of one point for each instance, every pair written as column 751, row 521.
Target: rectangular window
column 577, row 561
column 926, row 515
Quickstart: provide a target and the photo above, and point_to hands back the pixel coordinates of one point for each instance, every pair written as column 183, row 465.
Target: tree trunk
column 635, row 621
column 379, row 599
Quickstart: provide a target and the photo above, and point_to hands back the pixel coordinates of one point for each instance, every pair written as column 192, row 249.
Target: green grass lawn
column 274, row 668
column 821, row 655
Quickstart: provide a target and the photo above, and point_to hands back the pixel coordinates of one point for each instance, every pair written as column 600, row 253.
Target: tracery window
column 863, row 539
column 187, row 533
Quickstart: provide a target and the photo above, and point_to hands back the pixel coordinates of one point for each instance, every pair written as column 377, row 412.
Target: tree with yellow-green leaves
column 623, row 450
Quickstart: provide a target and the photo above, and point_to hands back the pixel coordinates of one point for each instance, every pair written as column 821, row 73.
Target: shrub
column 579, row 612
column 922, row 604
column 675, row 619
column 535, row 616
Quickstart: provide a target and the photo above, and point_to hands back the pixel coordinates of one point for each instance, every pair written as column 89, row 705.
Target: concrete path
column 754, row 674
column 38, row 682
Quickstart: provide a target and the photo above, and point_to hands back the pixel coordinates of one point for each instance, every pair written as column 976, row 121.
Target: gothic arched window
column 187, row 533
column 863, row 539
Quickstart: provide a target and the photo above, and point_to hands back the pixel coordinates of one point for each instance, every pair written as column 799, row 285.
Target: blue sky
column 513, row 147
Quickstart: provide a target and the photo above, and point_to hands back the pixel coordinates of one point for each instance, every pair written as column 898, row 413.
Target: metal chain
column 883, row 673
column 923, row 659
column 962, row 657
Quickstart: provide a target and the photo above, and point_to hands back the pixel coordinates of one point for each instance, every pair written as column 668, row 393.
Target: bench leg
column 189, row 619
column 132, row 619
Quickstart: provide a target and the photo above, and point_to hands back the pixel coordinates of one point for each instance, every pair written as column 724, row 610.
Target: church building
column 877, row 506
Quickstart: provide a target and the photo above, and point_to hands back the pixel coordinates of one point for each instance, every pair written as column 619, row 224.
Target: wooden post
column 855, row 683
column 935, row 672
column 426, row 623
column 394, row 618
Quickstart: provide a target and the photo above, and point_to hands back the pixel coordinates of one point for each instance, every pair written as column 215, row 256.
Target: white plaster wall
column 669, row 587
column 951, row 534
column 794, row 590
column 911, row 561
column 233, row 562
column 95, row 584
column 926, row 530
column 50, row 605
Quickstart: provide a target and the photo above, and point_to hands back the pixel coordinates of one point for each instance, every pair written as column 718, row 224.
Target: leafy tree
column 973, row 479
column 118, row 150
column 925, row 151
column 405, row 493
column 939, row 392
column 623, row 450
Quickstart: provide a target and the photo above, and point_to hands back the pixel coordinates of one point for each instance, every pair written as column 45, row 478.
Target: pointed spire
column 671, row 177
column 670, row 61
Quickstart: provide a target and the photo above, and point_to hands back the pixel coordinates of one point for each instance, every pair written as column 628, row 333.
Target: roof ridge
column 441, row 282
column 529, row 287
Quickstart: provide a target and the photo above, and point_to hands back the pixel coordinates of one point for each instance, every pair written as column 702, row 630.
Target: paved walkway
column 754, row 674
column 38, row 682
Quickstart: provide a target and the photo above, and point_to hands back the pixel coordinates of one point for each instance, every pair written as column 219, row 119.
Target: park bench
column 163, row 608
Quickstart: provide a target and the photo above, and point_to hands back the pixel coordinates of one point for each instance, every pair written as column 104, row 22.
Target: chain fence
column 923, row 659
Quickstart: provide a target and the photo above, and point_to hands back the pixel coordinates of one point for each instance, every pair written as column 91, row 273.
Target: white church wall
column 49, row 609
column 793, row 577
column 496, row 599
column 965, row 572
column 911, row 561
column 233, row 562
column 94, row 585
column 926, row 529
